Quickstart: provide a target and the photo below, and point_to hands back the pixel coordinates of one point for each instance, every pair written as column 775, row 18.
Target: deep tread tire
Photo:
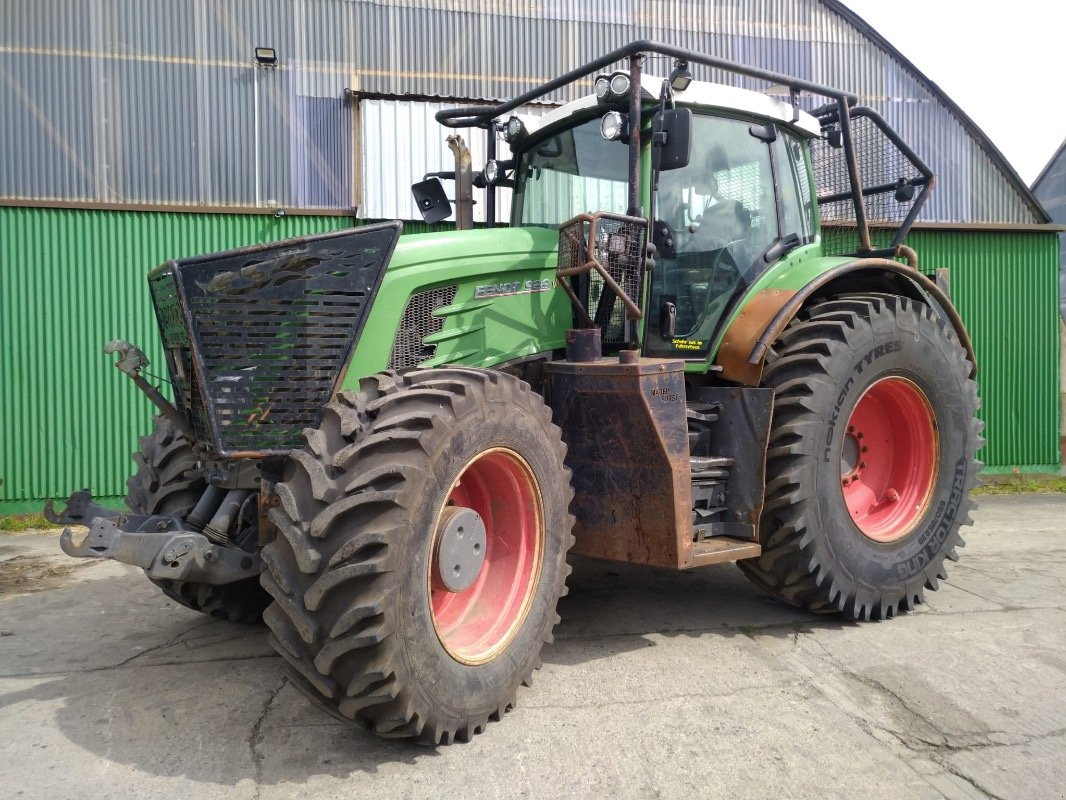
column 349, row 568
column 814, row 556
column 169, row 480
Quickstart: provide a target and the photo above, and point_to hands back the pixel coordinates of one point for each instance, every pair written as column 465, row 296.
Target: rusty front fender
column 764, row 318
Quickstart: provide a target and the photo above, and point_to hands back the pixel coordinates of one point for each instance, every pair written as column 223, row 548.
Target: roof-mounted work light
column 681, row 77
column 513, row 130
column 611, row 88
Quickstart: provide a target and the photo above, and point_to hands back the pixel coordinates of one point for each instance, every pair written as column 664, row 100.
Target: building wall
column 112, row 105
column 1005, row 288
column 160, row 102
column 1050, row 189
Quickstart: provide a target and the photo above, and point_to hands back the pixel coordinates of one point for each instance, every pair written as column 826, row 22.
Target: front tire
column 422, row 552
column 871, row 457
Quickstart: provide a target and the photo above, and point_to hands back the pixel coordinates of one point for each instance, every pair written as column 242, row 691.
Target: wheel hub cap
column 485, row 564
column 460, row 547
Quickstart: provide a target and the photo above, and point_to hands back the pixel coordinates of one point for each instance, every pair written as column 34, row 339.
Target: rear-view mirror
column 433, row 204
column 672, row 129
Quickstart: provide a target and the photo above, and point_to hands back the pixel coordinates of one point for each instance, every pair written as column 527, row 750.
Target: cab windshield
column 573, row 171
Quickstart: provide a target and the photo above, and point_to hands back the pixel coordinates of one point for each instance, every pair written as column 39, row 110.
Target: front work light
column 603, row 85
column 611, row 88
column 514, row 130
column 614, row 126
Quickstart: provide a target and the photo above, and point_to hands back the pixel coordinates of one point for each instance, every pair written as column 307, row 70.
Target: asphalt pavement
column 659, row 684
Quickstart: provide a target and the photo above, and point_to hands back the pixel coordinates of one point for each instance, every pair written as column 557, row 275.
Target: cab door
column 715, row 220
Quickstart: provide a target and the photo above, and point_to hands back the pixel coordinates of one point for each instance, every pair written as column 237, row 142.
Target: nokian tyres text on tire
column 169, row 480
column 422, row 551
column 871, row 457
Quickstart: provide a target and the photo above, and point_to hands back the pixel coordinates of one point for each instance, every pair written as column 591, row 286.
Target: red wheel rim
column 477, row 623
column 888, row 463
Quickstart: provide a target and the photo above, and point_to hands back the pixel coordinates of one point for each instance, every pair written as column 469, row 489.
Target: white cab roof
column 699, row 95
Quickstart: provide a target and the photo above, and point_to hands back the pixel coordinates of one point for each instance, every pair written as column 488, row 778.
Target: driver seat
column 727, row 220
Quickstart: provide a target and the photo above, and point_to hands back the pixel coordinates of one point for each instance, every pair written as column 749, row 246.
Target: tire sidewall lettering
column 862, row 559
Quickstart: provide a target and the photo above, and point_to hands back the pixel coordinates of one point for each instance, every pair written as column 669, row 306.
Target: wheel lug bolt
column 864, row 449
column 862, row 465
column 851, row 429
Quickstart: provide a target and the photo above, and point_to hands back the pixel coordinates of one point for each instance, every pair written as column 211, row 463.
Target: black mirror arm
column 780, row 247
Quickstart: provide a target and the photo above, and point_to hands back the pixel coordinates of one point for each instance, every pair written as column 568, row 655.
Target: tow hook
column 159, row 545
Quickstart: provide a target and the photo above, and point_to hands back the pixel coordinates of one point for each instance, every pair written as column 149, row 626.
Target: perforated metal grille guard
column 256, row 338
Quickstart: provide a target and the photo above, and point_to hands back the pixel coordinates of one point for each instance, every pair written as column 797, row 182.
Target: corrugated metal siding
column 1050, row 190
column 158, row 101
column 70, row 281
column 1004, row 286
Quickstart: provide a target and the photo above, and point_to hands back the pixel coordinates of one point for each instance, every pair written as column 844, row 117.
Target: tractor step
column 722, row 549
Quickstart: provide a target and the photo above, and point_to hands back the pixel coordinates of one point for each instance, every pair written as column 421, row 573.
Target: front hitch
column 159, row 545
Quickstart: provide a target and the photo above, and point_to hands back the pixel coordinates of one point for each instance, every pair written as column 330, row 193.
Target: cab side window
column 797, row 210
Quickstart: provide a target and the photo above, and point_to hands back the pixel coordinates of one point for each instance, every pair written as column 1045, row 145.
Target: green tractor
column 685, row 349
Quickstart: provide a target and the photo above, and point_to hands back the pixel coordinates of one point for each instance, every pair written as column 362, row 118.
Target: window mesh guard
column 895, row 183
column 601, row 266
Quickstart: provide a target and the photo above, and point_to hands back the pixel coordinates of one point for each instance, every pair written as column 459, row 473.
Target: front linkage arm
column 159, row 545
column 131, row 361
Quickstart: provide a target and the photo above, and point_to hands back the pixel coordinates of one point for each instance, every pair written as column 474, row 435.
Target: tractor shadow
column 618, row 606
column 115, row 673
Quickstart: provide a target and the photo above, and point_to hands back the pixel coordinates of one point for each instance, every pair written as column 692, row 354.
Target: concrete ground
column 659, row 685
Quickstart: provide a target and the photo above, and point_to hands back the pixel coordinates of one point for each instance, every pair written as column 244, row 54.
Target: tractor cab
column 737, row 200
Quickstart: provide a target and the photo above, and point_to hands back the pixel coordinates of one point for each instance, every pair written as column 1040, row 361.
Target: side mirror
column 672, row 129
column 433, row 204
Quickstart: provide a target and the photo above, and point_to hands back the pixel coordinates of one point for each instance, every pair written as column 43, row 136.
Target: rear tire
column 871, row 457
column 169, row 481
column 362, row 613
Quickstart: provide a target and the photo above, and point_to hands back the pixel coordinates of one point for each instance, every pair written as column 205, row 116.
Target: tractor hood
column 479, row 298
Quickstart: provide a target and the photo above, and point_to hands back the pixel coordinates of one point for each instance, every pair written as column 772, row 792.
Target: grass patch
column 13, row 523
column 1016, row 484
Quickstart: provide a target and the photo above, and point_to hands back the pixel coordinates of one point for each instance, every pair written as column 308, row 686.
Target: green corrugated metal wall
column 69, row 282
column 1005, row 286
column 72, row 280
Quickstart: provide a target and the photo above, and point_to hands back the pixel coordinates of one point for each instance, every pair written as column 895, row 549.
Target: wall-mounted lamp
column 267, row 56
